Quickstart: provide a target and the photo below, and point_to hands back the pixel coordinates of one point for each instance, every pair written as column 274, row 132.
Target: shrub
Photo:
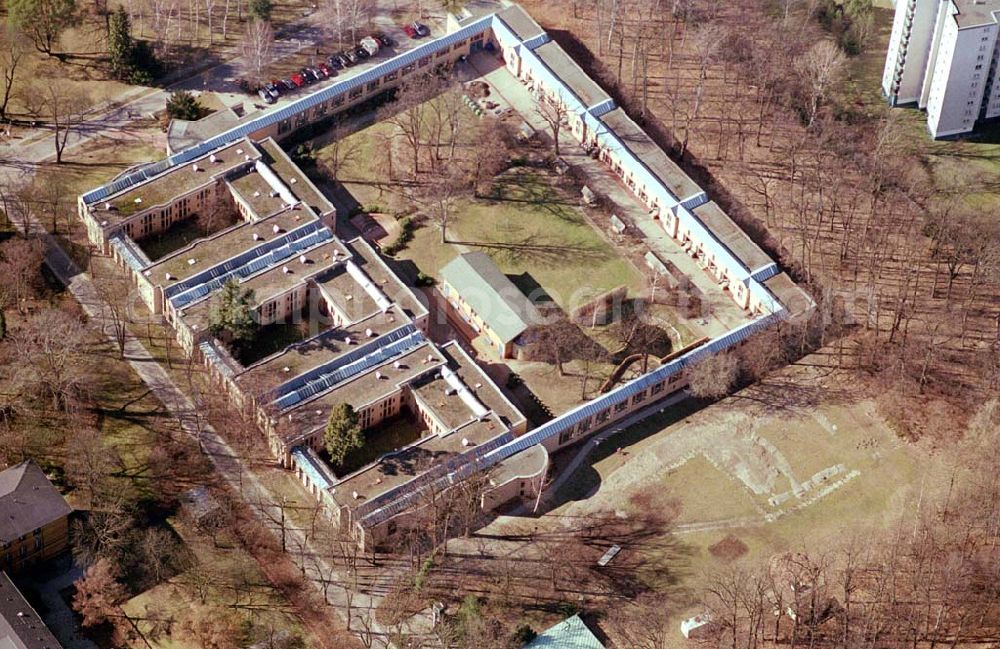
column 423, row 279
column 183, row 105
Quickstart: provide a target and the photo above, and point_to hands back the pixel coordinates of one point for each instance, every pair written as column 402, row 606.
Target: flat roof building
column 20, row 625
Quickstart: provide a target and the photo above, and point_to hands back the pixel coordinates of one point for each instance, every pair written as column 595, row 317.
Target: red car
column 410, row 31
column 298, row 80
column 325, row 69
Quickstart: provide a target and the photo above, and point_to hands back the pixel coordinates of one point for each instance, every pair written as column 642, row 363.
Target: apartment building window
column 391, row 76
column 658, row 388
column 459, row 45
column 408, row 68
column 603, row 416
column 373, row 86
column 619, row 407
column 478, row 37
column 441, row 54
column 284, row 126
column 357, row 92
column 338, row 100
column 639, row 398
column 425, row 61
column 269, row 311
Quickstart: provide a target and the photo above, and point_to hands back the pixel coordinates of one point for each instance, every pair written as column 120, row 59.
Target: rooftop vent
column 347, row 340
column 107, row 206
column 286, row 270
column 303, row 260
column 272, row 193
column 104, row 224
column 194, row 167
column 450, row 391
column 212, row 158
column 466, row 442
column 256, row 194
column 354, row 494
column 292, row 181
column 169, row 277
column 286, row 369
column 319, row 412
column 397, row 365
column 479, row 385
column 247, row 158
column 430, row 358
column 348, row 298
column 276, row 228
column 192, row 261
column 370, row 333
column 137, row 200
column 256, row 237
column 239, row 151
column 378, row 375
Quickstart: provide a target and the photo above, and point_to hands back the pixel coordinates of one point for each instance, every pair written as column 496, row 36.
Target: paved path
column 58, row 616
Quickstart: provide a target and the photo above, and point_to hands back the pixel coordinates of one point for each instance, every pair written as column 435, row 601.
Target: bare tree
column 555, row 115
column 10, row 59
column 116, row 294
column 63, row 107
column 51, row 345
column 341, row 152
column 258, row 46
column 821, row 67
column 713, row 375
column 20, row 267
column 98, row 594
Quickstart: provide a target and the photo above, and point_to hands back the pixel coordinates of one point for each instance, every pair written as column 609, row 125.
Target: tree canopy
column 260, row 9
column 43, row 21
column 343, row 433
column 232, row 321
column 183, row 105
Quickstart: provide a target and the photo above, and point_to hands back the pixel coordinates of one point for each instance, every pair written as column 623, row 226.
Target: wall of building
column 43, row 545
column 960, row 76
column 909, row 48
column 465, row 311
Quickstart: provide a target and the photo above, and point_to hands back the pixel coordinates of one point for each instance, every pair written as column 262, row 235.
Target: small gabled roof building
column 486, row 299
column 20, row 626
column 571, row 633
column 34, row 518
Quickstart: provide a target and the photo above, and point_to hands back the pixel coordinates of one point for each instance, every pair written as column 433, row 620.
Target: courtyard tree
column 232, row 320
column 558, row 342
column 554, row 113
column 341, row 152
column 258, row 46
column 20, row 267
column 343, row 433
column 98, row 594
column 115, row 291
column 43, row 21
column 713, row 375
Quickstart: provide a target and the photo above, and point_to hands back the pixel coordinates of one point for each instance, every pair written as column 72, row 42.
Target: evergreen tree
column 183, row 105
column 232, row 320
column 120, row 44
column 343, row 433
column 260, row 9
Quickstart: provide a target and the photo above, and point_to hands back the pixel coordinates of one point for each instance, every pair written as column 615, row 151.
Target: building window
column 658, row 388
column 391, row 76
column 357, row 92
column 408, row 68
column 639, row 398
column 284, row 126
column 338, row 100
column 619, row 407
column 441, row 54
column 425, row 61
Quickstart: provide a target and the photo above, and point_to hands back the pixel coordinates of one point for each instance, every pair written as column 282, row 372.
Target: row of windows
column 603, row 416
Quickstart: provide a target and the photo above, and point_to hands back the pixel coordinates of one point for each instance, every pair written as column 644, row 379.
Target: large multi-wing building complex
column 943, row 57
column 376, row 353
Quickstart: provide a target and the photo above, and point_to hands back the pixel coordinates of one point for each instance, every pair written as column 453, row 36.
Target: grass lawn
column 273, row 338
column 181, row 234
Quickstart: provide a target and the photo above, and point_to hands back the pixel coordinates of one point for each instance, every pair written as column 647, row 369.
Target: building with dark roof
column 34, row 518
column 485, row 298
column 20, row 626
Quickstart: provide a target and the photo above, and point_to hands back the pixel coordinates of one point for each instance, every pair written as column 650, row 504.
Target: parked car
column 276, row 86
column 421, row 29
column 316, row 72
column 370, row 45
column 334, row 61
column 272, row 90
column 361, row 53
column 326, row 69
column 345, row 60
column 265, row 95
column 298, row 80
column 384, row 40
column 308, row 75
column 289, row 84
column 410, row 31
column 352, row 56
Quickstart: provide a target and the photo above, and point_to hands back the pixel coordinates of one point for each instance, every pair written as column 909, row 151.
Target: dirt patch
column 728, row 549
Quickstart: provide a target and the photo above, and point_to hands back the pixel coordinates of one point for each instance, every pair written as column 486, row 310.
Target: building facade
column 34, row 518
column 943, row 57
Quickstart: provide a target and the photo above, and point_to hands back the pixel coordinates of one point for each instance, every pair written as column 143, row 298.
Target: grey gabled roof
column 20, row 626
column 571, row 633
column 494, row 298
column 28, row 501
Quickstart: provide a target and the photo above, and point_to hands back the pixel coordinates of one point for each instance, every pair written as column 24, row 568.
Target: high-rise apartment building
column 943, row 58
